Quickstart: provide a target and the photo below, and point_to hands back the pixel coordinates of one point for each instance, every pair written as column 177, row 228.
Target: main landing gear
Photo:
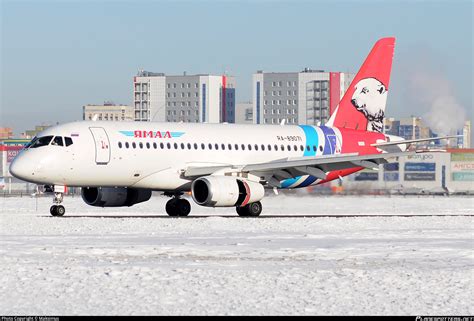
column 177, row 206
column 57, row 209
column 252, row 209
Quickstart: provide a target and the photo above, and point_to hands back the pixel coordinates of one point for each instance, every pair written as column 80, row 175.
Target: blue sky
column 57, row 56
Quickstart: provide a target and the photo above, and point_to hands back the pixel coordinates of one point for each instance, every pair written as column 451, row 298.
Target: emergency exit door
column 102, row 145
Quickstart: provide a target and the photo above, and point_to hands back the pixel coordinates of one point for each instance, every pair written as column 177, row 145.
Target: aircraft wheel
column 183, row 208
column 171, row 207
column 57, row 210
column 242, row 211
column 60, row 210
column 254, row 209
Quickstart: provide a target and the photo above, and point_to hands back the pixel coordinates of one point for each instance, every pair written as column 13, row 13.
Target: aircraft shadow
column 259, row 217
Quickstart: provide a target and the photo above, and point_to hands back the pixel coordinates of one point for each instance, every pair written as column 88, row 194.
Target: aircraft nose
column 20, row 168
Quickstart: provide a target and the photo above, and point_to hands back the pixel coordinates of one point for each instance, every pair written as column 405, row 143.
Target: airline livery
column 222, row 165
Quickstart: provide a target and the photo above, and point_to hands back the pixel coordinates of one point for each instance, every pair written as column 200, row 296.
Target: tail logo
column 370, row 96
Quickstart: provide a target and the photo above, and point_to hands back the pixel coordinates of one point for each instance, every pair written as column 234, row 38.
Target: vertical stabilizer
column 363, row 105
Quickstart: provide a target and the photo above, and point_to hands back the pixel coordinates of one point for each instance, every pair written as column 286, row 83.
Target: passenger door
column 102, row 145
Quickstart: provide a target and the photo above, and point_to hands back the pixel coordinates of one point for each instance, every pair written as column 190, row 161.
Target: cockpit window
column 31, row 142
column 41, row 141
column 68, row 141
column 57, row 141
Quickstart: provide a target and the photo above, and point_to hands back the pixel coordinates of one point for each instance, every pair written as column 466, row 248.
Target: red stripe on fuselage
column 355, row 141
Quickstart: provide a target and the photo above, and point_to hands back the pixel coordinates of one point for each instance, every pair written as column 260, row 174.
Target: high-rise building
column 186, row 98
column 108, row 111
column 306, row 97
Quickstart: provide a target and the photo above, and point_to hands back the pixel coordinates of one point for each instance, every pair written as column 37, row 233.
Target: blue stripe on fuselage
column 329, row 147
column 311, row 136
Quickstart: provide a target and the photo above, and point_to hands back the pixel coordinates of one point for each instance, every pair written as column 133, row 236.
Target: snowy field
column 304, row 255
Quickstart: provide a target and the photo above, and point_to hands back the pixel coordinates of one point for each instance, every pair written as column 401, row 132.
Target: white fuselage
column 157, row 153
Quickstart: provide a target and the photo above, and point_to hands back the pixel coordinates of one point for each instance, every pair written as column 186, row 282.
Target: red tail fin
column 363, row 105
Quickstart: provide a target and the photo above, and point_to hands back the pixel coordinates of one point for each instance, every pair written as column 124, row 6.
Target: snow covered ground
column 294, row 259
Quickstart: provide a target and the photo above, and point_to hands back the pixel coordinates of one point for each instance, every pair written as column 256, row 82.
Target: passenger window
column 269, row 147
column 203, row 146
column 155, row 146
column 148, row 145
column 162, row 146
column 119, row 144
column 182, row 145
column 243, row 147
column 250, row 147
column 223, row 146
column 127, row 145
column 301, row 148
column 140, row 144
column 236, row 146
column 308, row 148
column 189, row 146
column 289, row 148
column 276, row 148
column 175, row 146
column 263, row 147
column 216, row 146
column 256, row 147
column 321, row 148
column 295, row 147
column 168, row 145
column 68, row 141
column 57, row 141
column 229, row 146
column 134, row 145
column 195, row 146
column 282, row 148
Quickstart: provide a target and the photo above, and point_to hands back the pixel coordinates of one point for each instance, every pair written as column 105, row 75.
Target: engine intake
column 114, row 196
column 226, row 191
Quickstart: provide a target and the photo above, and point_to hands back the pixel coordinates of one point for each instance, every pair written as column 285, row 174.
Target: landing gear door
column 102, row 145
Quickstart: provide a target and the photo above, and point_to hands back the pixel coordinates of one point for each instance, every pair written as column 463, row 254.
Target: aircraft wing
column 291, row 167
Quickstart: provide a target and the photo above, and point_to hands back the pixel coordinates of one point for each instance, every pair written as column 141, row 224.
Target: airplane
column 222, row 165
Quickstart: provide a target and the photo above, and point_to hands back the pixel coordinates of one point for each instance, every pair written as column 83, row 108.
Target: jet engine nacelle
column 114, row 196
column 225, row 191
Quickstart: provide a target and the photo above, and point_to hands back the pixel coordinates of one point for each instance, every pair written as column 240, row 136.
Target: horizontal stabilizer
column 409, row 141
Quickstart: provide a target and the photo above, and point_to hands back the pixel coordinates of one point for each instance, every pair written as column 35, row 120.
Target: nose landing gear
column 57, row 209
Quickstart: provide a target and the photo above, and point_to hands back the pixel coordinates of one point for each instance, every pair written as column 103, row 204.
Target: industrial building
column 408, row 128
column 9, row 148
column 29, row 134
column 415, row 128
column 186, row 98
column 451, row 171
column 306, row 97
column 108, row 111
column 465, row 140
column 6, row 133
